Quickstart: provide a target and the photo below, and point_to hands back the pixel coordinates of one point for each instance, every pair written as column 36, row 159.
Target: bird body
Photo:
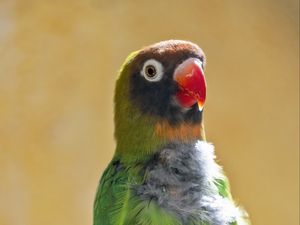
column 163, row 171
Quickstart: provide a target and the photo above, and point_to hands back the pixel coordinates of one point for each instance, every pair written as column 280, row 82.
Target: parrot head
column 160, row 93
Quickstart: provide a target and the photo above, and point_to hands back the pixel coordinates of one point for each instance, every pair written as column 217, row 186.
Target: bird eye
column 152, row 70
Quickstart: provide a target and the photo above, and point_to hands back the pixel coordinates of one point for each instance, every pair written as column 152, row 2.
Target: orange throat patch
column 185, row 132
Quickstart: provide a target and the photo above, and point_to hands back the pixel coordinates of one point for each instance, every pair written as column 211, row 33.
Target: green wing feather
column 116, row 204
column 223, row 186
column 104, row 196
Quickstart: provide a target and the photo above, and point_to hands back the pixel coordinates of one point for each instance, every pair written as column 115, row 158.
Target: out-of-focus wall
column 58, row 64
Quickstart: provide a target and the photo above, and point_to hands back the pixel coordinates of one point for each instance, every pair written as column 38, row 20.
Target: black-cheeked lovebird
column 163, row 171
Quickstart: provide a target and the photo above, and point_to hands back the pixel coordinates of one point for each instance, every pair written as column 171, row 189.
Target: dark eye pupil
column 150, row 71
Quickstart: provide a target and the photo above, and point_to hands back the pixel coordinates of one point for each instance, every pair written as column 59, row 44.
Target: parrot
column 163, row 171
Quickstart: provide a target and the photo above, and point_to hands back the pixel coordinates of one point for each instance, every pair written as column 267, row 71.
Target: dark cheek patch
column 151, row 97
column 156, row 99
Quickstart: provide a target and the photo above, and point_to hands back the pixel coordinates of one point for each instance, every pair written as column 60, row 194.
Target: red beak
column 192, row 84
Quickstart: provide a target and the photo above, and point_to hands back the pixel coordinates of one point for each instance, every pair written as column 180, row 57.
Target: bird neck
column 139, row 136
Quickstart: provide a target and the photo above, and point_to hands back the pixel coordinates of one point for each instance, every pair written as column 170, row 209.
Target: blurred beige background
column 58, row 64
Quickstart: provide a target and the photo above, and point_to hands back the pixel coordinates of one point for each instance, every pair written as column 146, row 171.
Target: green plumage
column 117, row 202
column 136, row 136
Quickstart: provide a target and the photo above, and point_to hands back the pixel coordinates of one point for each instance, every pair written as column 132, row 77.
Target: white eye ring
column 152, row 70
